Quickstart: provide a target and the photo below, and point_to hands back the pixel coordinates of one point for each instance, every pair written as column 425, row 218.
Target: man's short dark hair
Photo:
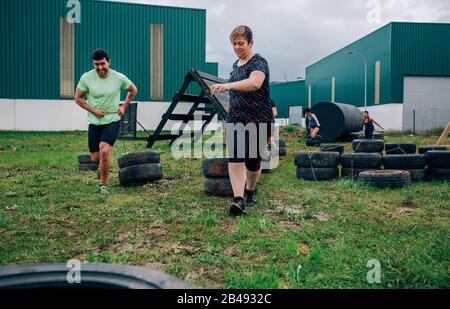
column 100, row 54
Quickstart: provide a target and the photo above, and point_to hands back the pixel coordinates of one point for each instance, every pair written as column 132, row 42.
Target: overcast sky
column 292, row 34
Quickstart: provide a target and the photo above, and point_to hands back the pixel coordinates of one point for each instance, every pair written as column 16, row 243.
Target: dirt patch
column 187, row 249
column 303, row 249
column 228, row 225
column 323, row 217
column 123, row 242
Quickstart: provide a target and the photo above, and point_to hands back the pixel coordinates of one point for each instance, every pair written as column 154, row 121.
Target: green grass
column 332, row 229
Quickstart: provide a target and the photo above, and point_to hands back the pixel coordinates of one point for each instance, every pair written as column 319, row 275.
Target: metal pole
column 414, row 121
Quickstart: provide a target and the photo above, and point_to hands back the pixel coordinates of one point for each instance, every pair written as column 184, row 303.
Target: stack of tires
column 366, row 156
column 355, row 163
column 217, row 181
column 281, row 148
column 438, row 164
column 362, row 135
column 139, row 168
column 317, row 166
column 402, row 156
column 86, row 164
column 400, row 148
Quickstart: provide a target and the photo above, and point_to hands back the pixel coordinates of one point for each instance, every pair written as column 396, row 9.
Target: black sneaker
column 237, row 208
column 250, row 197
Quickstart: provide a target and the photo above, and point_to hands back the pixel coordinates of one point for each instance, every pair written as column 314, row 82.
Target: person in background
column 368, row 125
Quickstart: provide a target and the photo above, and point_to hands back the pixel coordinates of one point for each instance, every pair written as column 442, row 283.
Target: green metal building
column 393, row 52
column 288, row 94
column 43, row 55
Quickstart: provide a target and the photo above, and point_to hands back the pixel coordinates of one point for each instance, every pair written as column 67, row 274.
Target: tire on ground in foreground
column 317, row 173
column 88, row 167
column 215, row 167
column 97, row 276
column 140, row 174
column 138, row 158
column 218, row 187
column 418, row 175
column 353, row 173
column 385, row 178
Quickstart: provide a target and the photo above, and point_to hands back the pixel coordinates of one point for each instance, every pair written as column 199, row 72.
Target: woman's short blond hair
column 242, row 32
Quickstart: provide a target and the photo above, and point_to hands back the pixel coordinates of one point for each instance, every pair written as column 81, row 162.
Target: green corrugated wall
column 417, row 49
column 30, row 53
column 288, row 94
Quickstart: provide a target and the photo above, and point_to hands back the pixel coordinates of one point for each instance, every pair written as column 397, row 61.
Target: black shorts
column 107, row 133
column 247, row 141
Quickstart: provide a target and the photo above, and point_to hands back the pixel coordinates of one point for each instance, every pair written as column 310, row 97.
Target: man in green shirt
column 101, row 87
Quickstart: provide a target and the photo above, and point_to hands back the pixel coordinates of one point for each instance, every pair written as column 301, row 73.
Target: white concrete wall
column 66, row 115
column 390, row 116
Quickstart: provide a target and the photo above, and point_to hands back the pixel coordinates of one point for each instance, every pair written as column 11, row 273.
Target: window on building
column 156, row 62
column 377, row 82
column 66, row 58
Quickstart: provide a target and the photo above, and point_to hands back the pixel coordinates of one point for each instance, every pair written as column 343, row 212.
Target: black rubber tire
column 353, row 173
column 425, row 149
column 400, row 148
column 96, row 276
column 439, row 173
column 385, row 178
column 138, row 158
column 215, row 167
column 317, row 173
column 438, row 158
column 368, row 145
column 312, row 143
column 332, row 148
column 85, row 158
column 361, row 135
column 218, row 187
column 404, row 162
column 362, row 160
column 282, row 151
column 88, row 167
column 280, row 143
column 317, row 159
column 140, row 174
column 418, row 175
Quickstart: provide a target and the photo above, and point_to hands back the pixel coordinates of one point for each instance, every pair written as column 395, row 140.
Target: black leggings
column 369, row 133
column 246, row 142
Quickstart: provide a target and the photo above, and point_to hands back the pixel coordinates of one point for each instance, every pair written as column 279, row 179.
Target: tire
column 332, row 148
column 317, row 173
column 440, row 173
column 96, row 276
column 418, row 175
column 138, row 158
column 312, row 143
column 368, row 145
column 215, row 167
column 140, row 174
column 353, row 173
column 281, row 143
column 400, row 148
column 85, row 158
column 404, row 162
column 362, row 135
column 218, row 187
column 362, row 160
column 88, row 167
column 317, row 159
column 282, row 151
column 385, row 178
column 438, row 158
column 425, row 149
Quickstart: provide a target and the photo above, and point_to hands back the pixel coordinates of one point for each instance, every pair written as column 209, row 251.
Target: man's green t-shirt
column 103, row 94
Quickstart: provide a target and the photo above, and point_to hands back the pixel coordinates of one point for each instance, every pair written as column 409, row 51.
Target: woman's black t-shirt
column 251, row 107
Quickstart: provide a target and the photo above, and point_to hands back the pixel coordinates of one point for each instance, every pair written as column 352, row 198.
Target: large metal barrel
column 337, row 120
